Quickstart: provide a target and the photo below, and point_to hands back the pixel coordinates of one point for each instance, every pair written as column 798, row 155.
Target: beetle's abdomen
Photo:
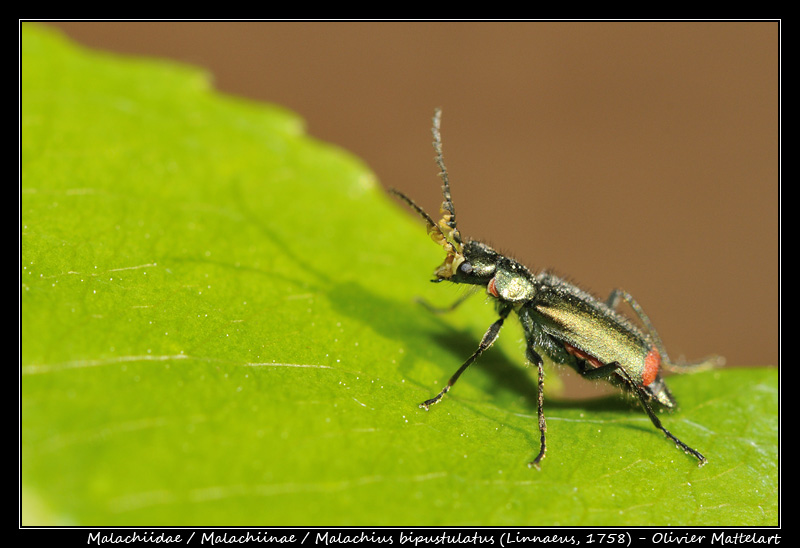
column 652, row 362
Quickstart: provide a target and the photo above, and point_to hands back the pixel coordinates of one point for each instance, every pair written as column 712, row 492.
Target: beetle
column 560, row 320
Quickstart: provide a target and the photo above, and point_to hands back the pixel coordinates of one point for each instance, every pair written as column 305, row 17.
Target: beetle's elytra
column 559, row 320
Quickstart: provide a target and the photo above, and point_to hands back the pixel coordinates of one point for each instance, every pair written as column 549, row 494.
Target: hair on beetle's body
column 559, row 320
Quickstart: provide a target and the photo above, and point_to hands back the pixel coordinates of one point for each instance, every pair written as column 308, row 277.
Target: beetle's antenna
column 455, row 254
column 443, row 232
column 431, row 224
column 450, row 236
column 447, row 209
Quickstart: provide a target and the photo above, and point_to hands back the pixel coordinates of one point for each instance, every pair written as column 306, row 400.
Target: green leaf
column 218, row 328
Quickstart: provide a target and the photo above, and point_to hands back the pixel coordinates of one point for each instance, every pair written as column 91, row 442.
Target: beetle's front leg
column 488, row 339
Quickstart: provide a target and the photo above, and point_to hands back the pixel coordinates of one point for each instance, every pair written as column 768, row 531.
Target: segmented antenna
column 447, row 209
column 443, row 232
column 421, row 212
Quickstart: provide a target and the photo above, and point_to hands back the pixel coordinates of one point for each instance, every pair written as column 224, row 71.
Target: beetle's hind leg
column 657, row 422
column 681, row 367
column 611, row 368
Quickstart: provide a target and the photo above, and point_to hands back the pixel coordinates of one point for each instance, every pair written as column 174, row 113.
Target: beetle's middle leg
column 534, row 357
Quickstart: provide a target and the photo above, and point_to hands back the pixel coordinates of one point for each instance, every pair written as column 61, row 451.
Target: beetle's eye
column 465, row 267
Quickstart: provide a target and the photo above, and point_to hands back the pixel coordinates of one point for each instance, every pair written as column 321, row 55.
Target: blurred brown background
column 641, row 155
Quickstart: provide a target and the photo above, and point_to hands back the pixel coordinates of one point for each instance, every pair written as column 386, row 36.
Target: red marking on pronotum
column 492, row 288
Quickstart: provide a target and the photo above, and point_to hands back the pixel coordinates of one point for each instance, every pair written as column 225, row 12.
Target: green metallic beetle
column 560, row 320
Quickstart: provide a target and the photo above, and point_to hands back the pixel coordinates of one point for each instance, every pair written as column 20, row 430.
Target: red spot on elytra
column 652, row 363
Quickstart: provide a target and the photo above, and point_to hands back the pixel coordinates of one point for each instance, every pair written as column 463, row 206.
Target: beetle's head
column 465, row 263
column 470, row 263
column 476, row 264
column 460, row 260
